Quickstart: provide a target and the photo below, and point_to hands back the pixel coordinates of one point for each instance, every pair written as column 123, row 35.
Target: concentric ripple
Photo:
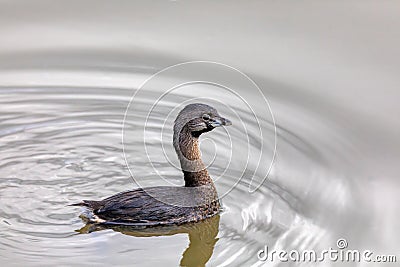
column 61, row 144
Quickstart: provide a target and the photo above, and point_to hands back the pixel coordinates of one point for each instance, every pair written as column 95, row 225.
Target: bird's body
column 152, row 206
column 166, row 205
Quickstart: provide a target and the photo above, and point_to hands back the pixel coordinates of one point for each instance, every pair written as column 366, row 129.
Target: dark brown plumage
column 166, row 205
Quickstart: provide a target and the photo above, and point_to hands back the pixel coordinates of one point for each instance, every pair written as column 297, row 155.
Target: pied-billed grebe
column 165, row 205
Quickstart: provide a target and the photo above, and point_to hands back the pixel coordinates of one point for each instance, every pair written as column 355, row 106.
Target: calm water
column 70, row 129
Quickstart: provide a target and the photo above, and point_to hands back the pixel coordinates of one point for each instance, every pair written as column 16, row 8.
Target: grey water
column 83, row 116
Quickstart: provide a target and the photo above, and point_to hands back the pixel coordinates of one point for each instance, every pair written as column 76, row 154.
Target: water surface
column 68, row 73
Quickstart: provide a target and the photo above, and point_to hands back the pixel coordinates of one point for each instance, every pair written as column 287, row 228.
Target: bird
column 169, row 205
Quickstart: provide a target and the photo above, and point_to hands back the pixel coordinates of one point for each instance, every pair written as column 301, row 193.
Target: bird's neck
column 188, row 150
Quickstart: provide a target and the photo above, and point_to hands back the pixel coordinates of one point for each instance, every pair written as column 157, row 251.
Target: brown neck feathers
column 187, row 148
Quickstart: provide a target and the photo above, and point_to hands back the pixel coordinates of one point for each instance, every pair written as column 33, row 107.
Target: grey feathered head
column 196, row 118
column 199, row 118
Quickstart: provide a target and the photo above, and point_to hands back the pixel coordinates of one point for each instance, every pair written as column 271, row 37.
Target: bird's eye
column 206, row 117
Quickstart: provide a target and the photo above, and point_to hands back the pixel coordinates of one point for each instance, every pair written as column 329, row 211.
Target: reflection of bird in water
column 166, row 205
column 202, row 237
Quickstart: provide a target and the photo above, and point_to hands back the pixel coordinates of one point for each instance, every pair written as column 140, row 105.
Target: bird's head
column 199, row 118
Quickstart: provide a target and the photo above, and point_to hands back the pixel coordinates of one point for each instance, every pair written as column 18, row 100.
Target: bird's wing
column 142, row 205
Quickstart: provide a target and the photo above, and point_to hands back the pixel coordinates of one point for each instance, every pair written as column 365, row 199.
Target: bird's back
column 161, row 205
